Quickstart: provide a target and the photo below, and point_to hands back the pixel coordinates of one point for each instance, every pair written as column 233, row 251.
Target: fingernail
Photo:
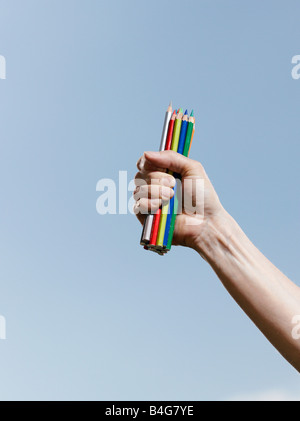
column 168, row 181
column 151, row 154
column 136, row 209
column 140, row 163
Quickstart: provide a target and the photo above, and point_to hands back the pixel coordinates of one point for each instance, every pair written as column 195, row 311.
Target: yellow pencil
column 176, row 132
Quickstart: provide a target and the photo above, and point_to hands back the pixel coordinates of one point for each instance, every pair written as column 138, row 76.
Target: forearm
column 266, row 295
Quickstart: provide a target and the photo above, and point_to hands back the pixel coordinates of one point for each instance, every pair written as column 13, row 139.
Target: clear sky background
column 90, row 314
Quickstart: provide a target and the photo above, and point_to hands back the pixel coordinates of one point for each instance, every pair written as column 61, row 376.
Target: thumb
column 172, row 161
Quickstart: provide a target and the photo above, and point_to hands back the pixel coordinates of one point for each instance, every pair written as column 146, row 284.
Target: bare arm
column 266, row 295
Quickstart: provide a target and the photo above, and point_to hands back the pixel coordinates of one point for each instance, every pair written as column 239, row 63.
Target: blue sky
column 90, row 314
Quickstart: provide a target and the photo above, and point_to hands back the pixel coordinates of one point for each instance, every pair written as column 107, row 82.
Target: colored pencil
column 165, row 127
column 183, row 131
column 147, row 228
column 186, row 151
column 169, row 217
column 156, row 220
column 165, row 208
column 172, row 226
column 181, row 144
column 170, row 132
column 189, row 135
column 176, row 133
column 192, row 137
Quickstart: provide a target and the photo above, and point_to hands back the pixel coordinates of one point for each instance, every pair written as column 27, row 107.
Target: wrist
column 216, row 236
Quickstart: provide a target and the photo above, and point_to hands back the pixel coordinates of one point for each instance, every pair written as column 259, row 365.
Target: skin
column 265, row 294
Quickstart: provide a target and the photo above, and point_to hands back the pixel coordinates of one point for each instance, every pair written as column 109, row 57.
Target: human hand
column 201, row 206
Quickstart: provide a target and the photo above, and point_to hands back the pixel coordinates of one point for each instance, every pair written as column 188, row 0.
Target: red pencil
column 158, row 212
column 170, row 132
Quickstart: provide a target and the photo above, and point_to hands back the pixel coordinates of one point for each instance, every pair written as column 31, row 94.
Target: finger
column 153, row 192
column 144, row 165
column 174, row 162
column 154, row 177
column 146, row 206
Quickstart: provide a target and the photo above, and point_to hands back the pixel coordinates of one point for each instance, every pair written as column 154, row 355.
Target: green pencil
column 189, row 134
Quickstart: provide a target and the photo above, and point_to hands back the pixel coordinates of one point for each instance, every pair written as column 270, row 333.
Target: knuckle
column 139, row 180
column 153, row 191
column 136, row 194
column 155, row 178
column 139, row 163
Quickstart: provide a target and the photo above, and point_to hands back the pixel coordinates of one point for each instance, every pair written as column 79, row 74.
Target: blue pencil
column 183, row 130
column 169, row 218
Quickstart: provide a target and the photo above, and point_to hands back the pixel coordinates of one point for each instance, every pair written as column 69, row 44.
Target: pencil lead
column 180, row 110
column 192, row 113
column 186, row 111
column 170, row 105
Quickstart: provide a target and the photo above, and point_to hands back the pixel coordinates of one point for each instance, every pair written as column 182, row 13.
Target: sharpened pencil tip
column 170, row 105
column 192, row 113
column 185, row 112
column 180, row 110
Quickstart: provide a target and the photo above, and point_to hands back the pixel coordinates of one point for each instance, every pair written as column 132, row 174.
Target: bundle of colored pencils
column 177, row 135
